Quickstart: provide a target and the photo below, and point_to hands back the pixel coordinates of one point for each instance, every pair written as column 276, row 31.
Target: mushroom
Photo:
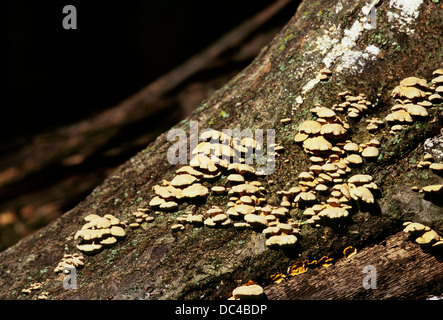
column 271, row 231
column 177, row 227
column 169, row 206
column 305, row 196
column 370, row 152
column 436, row 167
column 407, row 92
column 360, row 179
column 89, row 248
column 362, row 193
column 436, row 189
column 416, row 110
column 248, row 292
column 190, row 170
column 414, row 81
column 282, row 241
column 354, row 159
column 218, row 189
column 349, row 252
column 183, row 180
column 317, row 144
column 241, row 168
column 400, row 116
column 204, row 163
column 285, row 121
column 435, row 98
column 256, row 221
column 351, row 147
column 75, row 260
column 310, row 127
column 117, row 232
column 300, row 137
column 438, row 80
column 333, row 212
column 196, row 190
column 306, row 176
column 244, row 209
column 333, row 130
column 428, row 238
column 415, row 227
column 438, row 72
column 235, row 178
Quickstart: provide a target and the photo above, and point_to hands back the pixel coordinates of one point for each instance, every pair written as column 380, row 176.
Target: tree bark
column 203, row 263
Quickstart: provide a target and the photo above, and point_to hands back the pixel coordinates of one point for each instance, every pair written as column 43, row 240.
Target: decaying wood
column 403, row 271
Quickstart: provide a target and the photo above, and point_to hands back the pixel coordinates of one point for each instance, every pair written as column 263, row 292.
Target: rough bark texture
column 202, row 263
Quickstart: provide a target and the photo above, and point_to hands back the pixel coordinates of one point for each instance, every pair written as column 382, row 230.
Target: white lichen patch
column 340, row 51
column 403, row 14
column 356, row 60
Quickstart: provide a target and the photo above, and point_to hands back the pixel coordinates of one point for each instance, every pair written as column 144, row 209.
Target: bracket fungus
column 70, row 260
column 423, row 235
column 281, row 241
column 248, row 292
column 98, row 232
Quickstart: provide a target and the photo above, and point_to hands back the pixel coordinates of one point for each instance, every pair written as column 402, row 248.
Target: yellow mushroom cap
column 400, row 116
column 195, row 190
column 183, row 180
column 334, row 129
column 317, row 144
column 310, row 127
column 413, row 81
column 370, row 152
column 323, row 112
column 351, row 147
column 354, row 159
column 253, row 291
column 436, row 166
column 408, row 92
column 362, row 193
column 435, row 188
column 416, row 110
column 428, row 237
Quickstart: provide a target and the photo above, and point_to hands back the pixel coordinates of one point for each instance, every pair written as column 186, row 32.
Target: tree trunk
column 402, row 39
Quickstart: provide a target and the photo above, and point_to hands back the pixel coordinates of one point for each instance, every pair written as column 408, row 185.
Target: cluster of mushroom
column 358, row 188
column 99, row 232
column 423, row 235
column 44, row 295
column 210, row 159
column 246, row 208
column 325, row 74
column 326, row 140
column 32, row 287
column 374, row 124
column 434, row 190
column 355, row 106
column 70, row 261
column 413, row 96
column 138, row 217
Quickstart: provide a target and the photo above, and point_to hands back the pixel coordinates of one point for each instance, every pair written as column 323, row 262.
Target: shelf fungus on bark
column 423, row 235
column 68, row 261
column 98, row 233
column 248, row 292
